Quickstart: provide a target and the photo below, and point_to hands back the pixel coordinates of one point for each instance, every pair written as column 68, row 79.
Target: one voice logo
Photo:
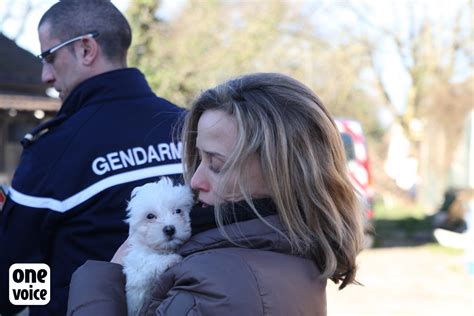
column 30, row 284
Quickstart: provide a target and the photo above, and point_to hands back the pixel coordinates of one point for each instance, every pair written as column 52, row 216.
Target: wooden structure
column 23, row 102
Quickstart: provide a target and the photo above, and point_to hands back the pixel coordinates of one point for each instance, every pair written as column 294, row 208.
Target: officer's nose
column 169, row 230
column 47, row 75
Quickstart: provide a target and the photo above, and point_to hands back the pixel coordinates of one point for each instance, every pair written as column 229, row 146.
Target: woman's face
column 216, row 136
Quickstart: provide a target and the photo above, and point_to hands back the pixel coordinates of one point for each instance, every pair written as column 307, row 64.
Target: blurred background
column 401, row 70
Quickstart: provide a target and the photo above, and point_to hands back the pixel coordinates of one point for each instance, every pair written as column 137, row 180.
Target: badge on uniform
column 3, row 197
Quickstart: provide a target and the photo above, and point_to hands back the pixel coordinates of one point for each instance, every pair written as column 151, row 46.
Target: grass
column 401, row 225
column 406, row 225
column 435, row 247
column 397, row 211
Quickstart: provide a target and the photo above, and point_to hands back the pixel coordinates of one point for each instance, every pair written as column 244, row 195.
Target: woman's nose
column 198, row 180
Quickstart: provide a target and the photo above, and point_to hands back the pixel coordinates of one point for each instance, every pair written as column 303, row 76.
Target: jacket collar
column 242, row 229
column 113, row 85
column 203, row 218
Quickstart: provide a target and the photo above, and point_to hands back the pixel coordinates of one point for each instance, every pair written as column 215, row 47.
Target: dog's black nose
column 169, row 230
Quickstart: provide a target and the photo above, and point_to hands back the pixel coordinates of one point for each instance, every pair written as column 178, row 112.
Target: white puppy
column 158, row 215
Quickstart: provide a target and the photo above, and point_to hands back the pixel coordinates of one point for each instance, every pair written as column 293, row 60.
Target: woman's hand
column 120, row 253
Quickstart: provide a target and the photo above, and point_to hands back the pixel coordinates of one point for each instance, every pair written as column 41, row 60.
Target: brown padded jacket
column 216, row 277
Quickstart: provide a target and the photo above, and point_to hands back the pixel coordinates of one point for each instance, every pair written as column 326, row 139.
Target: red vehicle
column 359, row 168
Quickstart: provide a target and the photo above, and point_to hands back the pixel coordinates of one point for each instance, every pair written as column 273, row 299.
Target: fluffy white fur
column 154, row 211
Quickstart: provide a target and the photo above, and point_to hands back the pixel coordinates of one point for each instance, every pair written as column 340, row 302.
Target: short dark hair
column 70, row 18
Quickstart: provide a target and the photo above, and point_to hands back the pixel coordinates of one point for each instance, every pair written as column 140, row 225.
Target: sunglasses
column 44, row 55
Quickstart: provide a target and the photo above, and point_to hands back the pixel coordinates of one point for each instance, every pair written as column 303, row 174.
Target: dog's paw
column 168, row 261
column 174, row 259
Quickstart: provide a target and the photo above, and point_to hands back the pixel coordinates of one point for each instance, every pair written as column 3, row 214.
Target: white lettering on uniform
column 152, row 154
column 127, row 158
column 100, row 166
column 164, row 149
column 176, row 151
column 136, row 156
column 114, row 161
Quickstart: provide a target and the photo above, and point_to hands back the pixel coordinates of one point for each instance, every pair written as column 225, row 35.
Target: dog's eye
column 150, row 216
column 178, row 211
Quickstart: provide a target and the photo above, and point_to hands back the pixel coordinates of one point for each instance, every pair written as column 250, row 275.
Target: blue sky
column 29, row 40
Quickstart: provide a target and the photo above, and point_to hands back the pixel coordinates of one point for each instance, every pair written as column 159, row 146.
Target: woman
column 277, row 215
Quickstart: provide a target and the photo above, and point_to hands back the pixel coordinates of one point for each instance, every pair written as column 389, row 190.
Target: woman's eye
column 150, row 216
column 214, row 165
column 178, row 211
column 214, row 169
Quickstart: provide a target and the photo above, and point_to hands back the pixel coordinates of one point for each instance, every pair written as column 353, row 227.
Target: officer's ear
column 88, row 50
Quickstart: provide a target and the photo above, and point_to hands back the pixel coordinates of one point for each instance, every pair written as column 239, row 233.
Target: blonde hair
column 302, row 160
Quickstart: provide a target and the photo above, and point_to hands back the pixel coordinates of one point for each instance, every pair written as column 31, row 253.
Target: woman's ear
column 88, row 50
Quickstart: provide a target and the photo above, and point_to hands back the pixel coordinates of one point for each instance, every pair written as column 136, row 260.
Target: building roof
column 20, row 80
column 20, row 71
column 28, row 102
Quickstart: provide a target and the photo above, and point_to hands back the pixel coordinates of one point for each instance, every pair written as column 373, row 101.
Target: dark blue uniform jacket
column 69, row 194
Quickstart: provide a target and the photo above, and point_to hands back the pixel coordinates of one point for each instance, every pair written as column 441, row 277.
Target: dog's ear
column 187, row 197
column 135, row 191
column 165, row 181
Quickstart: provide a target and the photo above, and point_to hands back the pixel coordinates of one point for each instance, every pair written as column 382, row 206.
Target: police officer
column 68, row 196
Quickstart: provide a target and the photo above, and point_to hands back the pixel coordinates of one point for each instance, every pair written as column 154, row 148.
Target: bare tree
column 426, row 55
column 434, row 54
column 210, row 41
